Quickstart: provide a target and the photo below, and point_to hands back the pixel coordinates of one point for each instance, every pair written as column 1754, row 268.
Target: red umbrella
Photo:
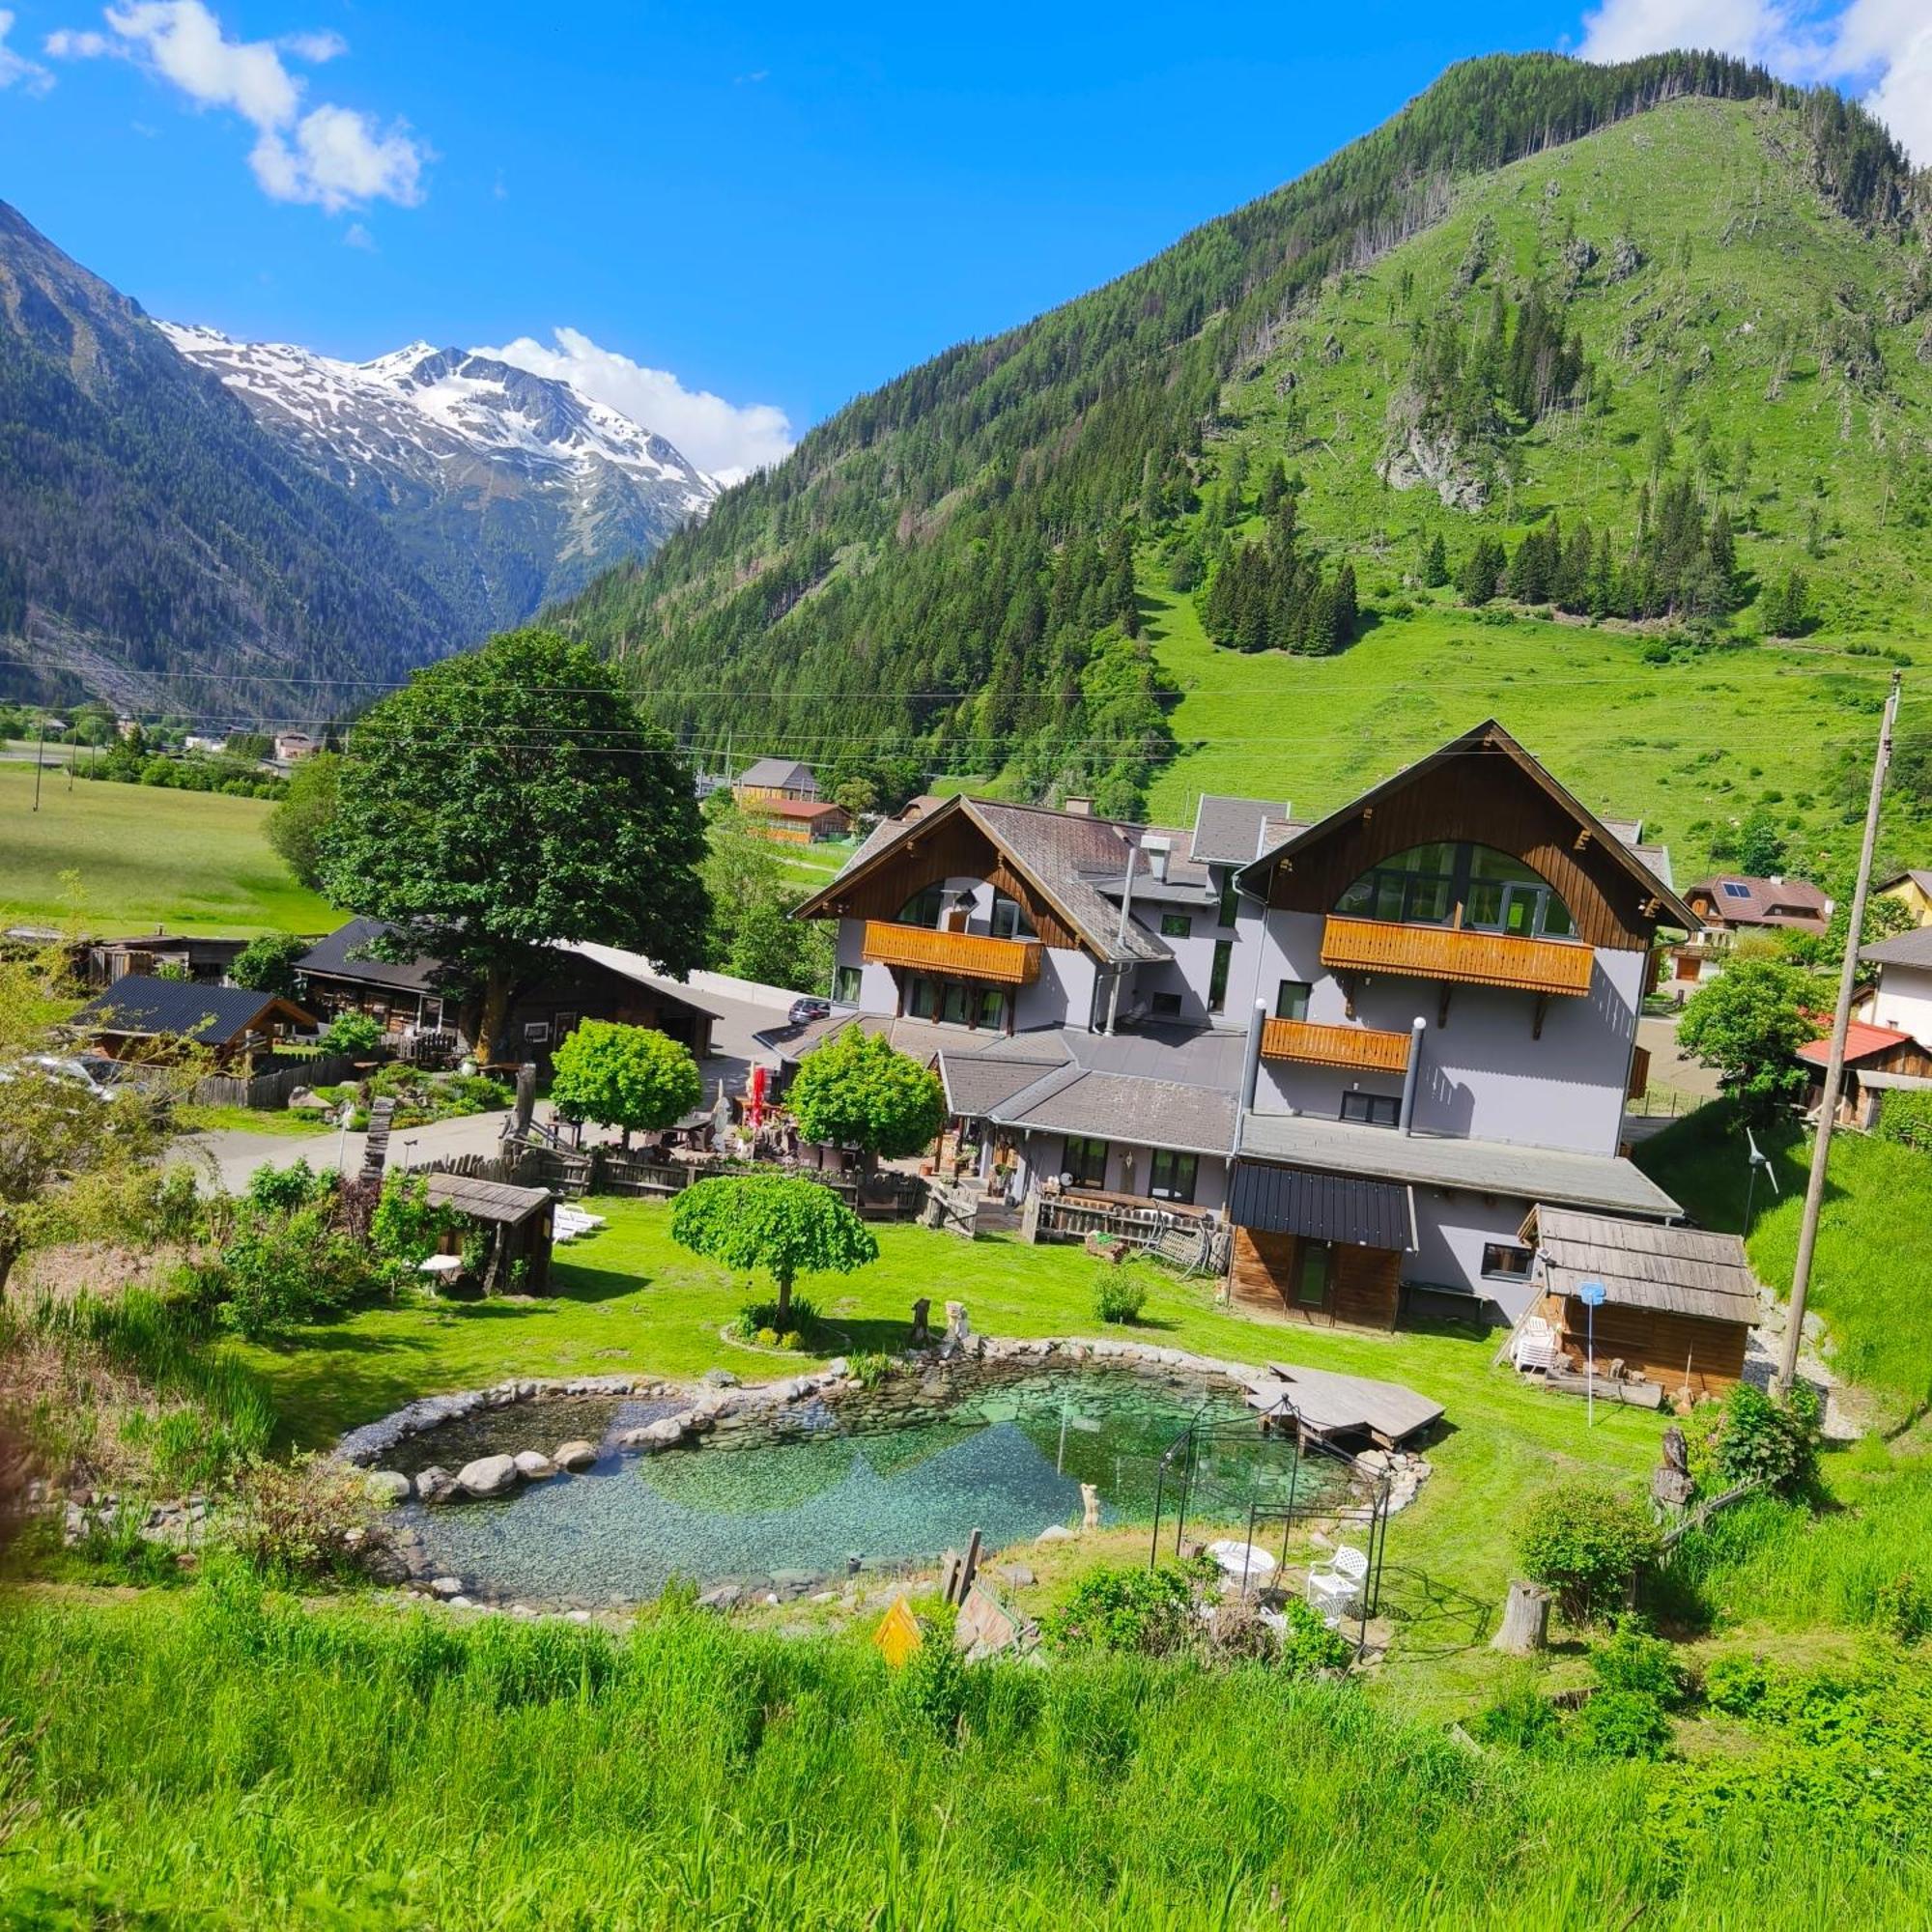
column 755, row 1096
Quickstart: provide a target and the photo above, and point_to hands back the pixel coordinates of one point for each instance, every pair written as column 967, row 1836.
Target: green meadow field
column 119, row 856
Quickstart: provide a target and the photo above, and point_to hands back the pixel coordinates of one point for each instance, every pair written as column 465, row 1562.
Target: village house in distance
column 1372, row 1045
column 780, row 802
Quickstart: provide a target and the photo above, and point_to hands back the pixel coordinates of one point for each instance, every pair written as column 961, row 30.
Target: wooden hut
column 522, row 1221
column 1678, row 1302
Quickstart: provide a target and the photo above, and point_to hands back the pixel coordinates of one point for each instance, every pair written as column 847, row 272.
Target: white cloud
column 356, row 236
column 17, row 70
column 331, row 157
column 726, row 440
column 1883, row 47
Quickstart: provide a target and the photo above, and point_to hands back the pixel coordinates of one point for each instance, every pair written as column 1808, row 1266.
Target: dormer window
column 1474, row 887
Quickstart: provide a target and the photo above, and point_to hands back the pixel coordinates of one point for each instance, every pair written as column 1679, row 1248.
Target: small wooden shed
column 1678, row 1302
column 522, row 1221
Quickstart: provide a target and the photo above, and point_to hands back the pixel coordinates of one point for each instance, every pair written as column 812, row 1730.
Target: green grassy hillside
column 1729, row 334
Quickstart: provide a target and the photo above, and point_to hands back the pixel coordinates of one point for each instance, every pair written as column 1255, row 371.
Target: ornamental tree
column 857, row 1090
column 509, row 799
column 785, row 1226
column 267, row 964
column 631, row 1077
column 1748, row 1023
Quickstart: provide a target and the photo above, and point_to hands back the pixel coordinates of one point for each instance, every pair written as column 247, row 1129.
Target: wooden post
column 1525, row 1620
column 968, row 1570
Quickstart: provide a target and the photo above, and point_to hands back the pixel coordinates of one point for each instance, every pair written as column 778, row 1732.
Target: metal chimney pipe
column 1418, row 1027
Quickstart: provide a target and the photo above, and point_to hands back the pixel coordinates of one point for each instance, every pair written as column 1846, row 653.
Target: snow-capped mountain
column 511, row 489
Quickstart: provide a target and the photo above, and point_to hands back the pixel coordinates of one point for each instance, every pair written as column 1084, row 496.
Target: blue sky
column 738, row 217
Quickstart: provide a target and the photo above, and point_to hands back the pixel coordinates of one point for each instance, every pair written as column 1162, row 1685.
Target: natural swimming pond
column 1008, row 1460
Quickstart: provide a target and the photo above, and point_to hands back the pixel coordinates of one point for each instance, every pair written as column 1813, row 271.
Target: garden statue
column 1089, row 1506
column 921, row 1324
column 1670, row 1484
column 957, row 1326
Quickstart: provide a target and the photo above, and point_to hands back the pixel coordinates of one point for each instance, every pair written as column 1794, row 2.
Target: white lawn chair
column 1337, row 1583
column 1535, row 1345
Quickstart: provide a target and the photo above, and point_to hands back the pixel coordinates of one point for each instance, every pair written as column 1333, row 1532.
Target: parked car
column 805, row 1010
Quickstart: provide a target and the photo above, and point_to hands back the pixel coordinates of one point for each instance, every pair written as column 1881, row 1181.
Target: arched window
column 1473, row 886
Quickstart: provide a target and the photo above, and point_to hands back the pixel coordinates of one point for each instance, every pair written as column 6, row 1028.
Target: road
column 232, row 1154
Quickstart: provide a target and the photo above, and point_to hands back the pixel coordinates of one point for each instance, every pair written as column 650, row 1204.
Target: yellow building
column 1913, row 890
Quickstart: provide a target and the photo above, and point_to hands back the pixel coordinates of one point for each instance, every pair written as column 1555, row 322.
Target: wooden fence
column 275, row 1078
column 1055, row 1217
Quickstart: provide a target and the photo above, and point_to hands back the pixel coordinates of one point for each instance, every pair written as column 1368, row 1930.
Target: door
column 1314, row 1270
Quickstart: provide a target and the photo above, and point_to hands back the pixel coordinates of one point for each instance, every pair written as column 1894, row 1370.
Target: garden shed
column 521, row 1221
column 1678, row 1303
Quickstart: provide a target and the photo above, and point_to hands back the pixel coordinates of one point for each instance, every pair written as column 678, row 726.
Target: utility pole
column 40, row 753
column 1834, row 1066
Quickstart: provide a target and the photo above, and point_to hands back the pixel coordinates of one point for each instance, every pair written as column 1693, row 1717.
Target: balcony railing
column 1461, row 957
column 1336, row 1046
column 953, row 956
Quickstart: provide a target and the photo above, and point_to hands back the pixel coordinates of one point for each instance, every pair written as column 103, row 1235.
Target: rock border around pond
column 721, row 1400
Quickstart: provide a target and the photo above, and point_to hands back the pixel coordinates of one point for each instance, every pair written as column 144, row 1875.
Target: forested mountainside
column 1473, row 322
column 152, row 540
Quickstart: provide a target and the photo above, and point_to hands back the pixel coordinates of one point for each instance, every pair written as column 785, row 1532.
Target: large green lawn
column 632, row 1300
column 144, row 857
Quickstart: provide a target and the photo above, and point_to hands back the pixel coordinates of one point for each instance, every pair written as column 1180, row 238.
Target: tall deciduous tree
column 857, row 1090
column 303, row 815
column 510, row 799
column 631, row 1077
column 1748, row 1023
column 786, row 1227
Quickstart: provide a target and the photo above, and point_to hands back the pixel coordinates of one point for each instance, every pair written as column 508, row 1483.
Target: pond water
column 1008, row 1461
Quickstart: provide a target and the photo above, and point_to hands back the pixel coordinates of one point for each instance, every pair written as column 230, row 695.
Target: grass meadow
column 144, row 855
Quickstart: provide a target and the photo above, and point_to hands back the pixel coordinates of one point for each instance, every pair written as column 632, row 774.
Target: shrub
column 1634, row 1660
column 872, row 1369
column 758, row 1321
column 1121, row 1296
column 282, row 1190
column 1737, row 1685
column 1586, row 1540
column 1622, row 1723
column 1522, row 1717
column 307, row 1518
column 279, row 1270
column 405, row 1228
column 1903, row 1608
column 353, row 1032
column 1308, row 1647
column 1757, row 1439
column 1150, row 1612
column 933, row 1685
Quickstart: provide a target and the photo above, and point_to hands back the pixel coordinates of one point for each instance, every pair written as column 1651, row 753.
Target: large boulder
column 665, row 1434
column 434, row 1484
column 574, row 1455
column 487, row 1476
column 532, row 1466
column 388, row 1486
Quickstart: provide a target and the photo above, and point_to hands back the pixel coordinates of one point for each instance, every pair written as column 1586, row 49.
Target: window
column 1166, row 1006
column 992, row 1007
column 1290, row 1000
column 566, row 1025
column 845, row 983
column 1734, row 890
column 1426, row 885
column 1217, row 978
column 535, row 1032
column 1007, row 920
column 1176, row 925
column 1313, row 1268
column 1084, row 1162
column 1172, row 1176
column 1226, row 913
column 923, row 907
column 1505, row 1261
column 1378, row 1110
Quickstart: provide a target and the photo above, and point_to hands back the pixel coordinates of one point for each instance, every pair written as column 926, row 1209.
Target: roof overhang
column 1347, row 1209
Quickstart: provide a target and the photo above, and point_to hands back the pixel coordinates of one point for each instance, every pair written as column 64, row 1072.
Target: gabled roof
column 1912, row 875
column 142, row 1003
column 486, row 1200
column 782, row 772
column 1673, row 1270
column 1905, row 949
column 1487, row 738
column 339, row 956
column 794, row 807
column 1738, row 898
column 1229, row 831
column 1060, row 854
column 1861, row 1042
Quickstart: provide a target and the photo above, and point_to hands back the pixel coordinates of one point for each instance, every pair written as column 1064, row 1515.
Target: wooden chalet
column 1877, row 1059
column 141, row 1014
column 521, row 1222
column 1678, row 1302
column 797, row 821
column 768, row 778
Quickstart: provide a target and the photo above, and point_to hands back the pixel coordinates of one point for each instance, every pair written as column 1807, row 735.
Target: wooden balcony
column 1366, row 1047
column 1464, row 958
column 953, row 956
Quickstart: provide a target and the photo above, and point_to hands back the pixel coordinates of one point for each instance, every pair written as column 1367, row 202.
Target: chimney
column 1076, row 806
column 1157, row 848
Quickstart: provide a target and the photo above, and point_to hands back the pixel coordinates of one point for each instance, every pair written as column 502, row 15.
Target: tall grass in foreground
column 238, row 1760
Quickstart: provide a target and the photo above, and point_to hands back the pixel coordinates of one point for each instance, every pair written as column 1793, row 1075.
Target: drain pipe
column 1251, row 1064
column 1417, row 1029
